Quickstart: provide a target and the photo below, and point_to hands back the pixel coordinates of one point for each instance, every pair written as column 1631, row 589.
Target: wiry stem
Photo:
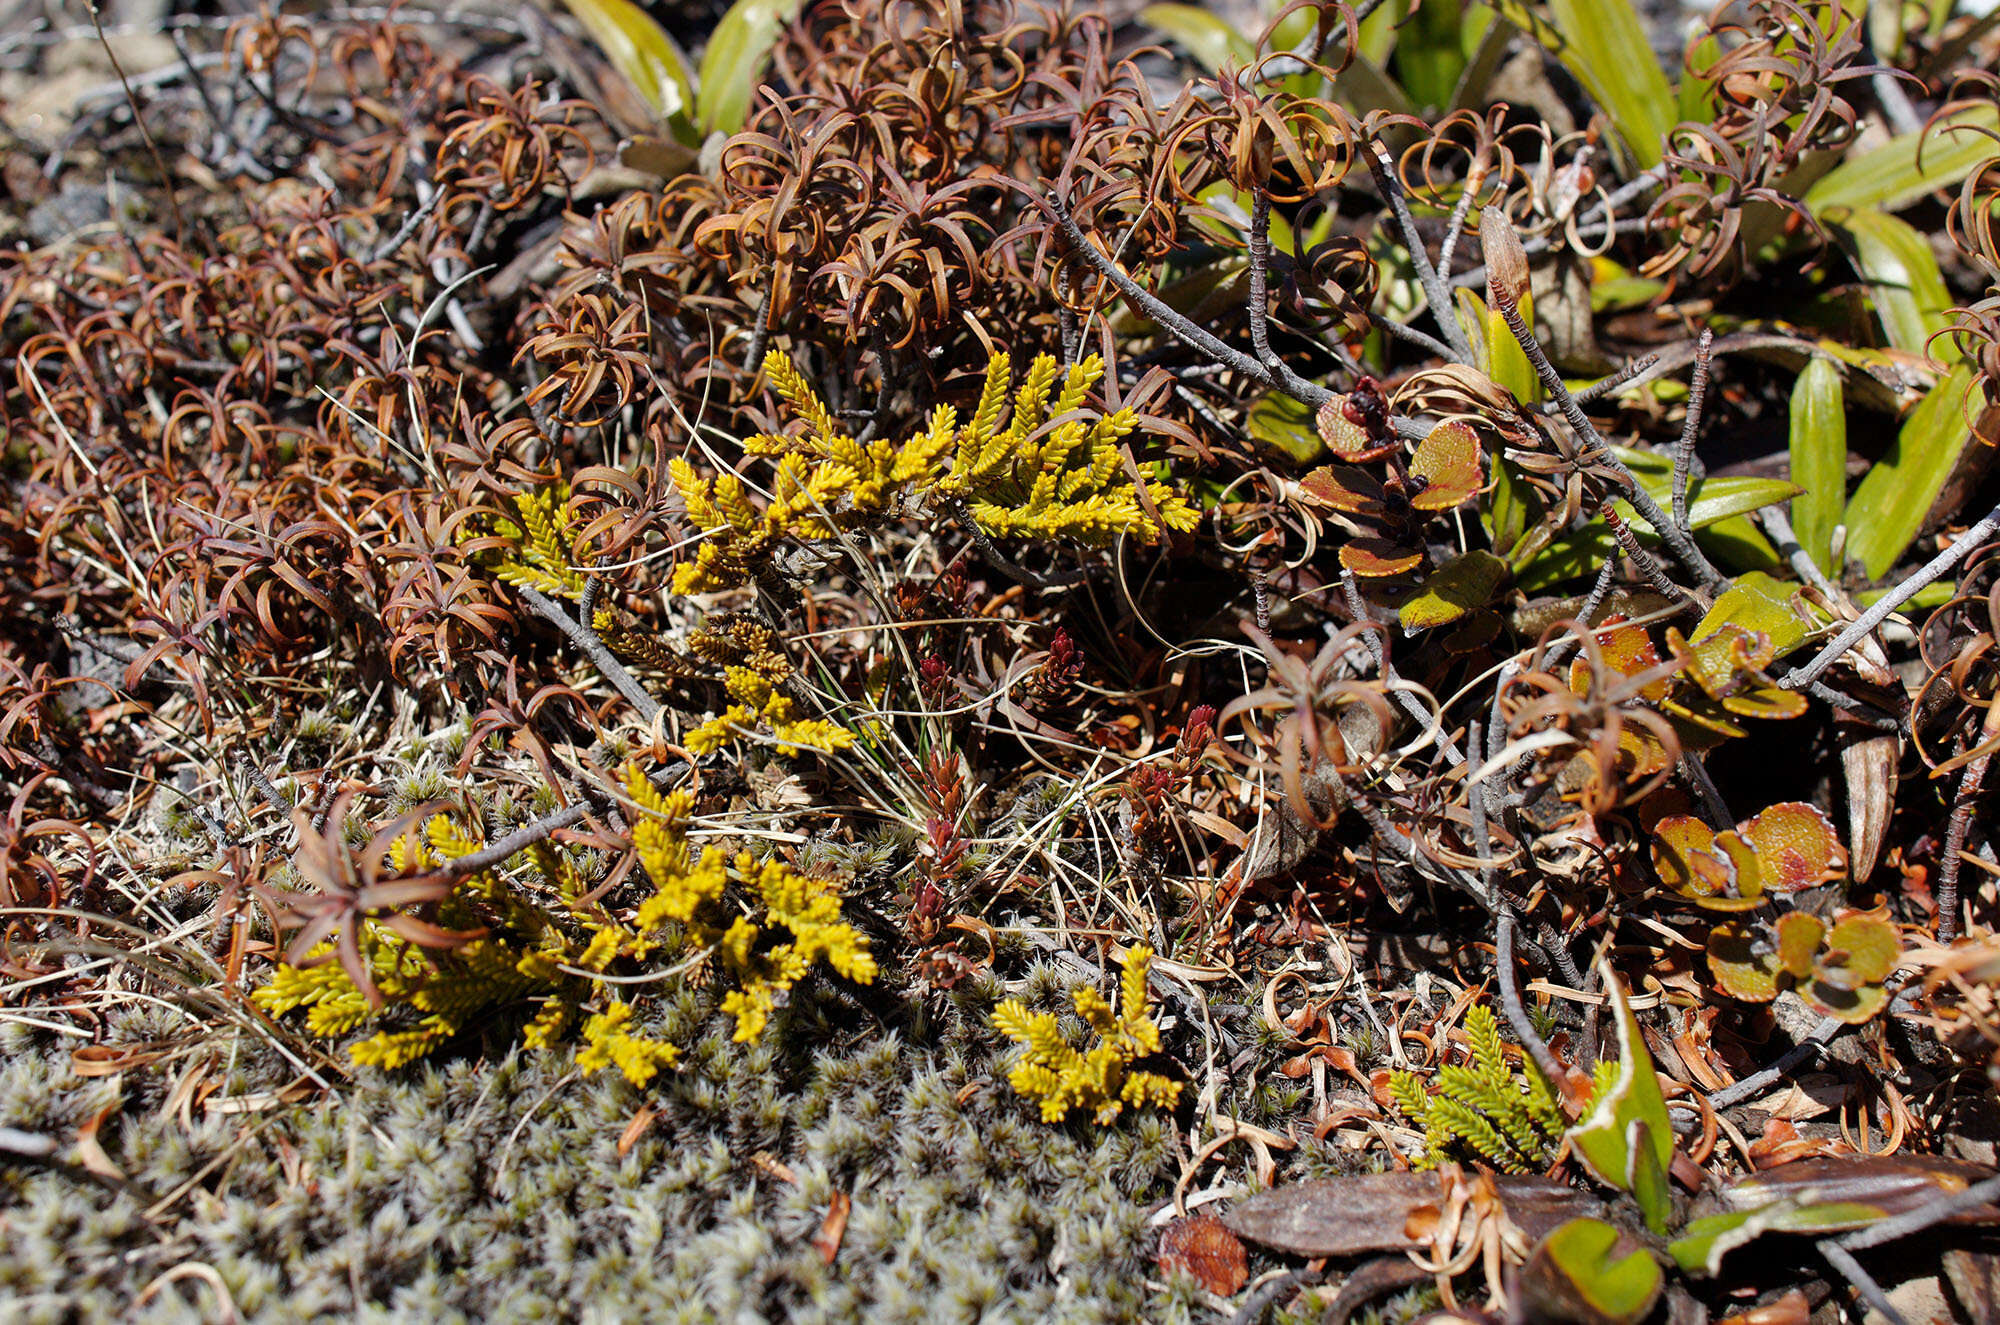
column 1864, row 1283
column 1260, row 266
column 1969, row 786
column 1517, row 1012
column 1682, row 545
column 1684, row 453
column 1274, row 375
column 1856, row 630
column 586, row 639
column 1443, row 306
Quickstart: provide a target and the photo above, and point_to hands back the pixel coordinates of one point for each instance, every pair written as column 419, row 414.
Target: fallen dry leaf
column 833, row 1228
column 1204, row 1247
column 636, row 1129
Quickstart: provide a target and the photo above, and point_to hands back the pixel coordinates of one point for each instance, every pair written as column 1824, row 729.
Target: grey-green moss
column 492, row 1189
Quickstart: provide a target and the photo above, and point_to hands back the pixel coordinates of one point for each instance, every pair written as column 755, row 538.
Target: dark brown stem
column 1682, row 545
column 1444, row 308
column 1969, row 788
column 1274, row 375
column 586, row 639
column 1684, row 452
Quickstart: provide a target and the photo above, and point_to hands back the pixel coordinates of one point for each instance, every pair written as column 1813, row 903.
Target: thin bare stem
column 1443, row 306
column 1856, row 630
column 1926, row 1216
column 1275, row 375
column 1604, row 386
column 1970, row 784
column 1260, row 267
column 1517, row 1012
column 593, row 647
column 1682, row 545
column 1864, row 1283
column 1684, row 453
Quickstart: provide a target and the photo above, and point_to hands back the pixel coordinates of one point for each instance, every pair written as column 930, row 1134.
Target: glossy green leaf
column 1890, row 503
column 1626, row 1140
column 1891, row 178
column 1431, row 49
column 1927, row 599
column 1696, row 98
column 737, row 54
column 1705, row 1241
column 1603, row 43
column 1757, row 602
column 1819, row 459
column 1287, row 425
column 1511, row 509
column 1210, row 41
column 1904, row 284
column 1712, row 500
column 1576, row 1275
column 641, row 50
column 1509, row 366
column 1462, row 585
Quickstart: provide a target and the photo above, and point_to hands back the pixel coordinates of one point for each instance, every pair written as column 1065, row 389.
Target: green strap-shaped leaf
column 1819, row 459
column 1626, row 1140
column 1892, row 499
column 1210, row 41
column 1904, row 283
column 738, row 51
column 1890, row 177
column 641, row 50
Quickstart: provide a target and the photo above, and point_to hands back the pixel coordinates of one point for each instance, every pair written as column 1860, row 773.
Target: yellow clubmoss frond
column 608, row 1044
column 539, row 556
column 1501, row 1116
column 811, row 734
column 548, row 1025
column 393, row 1049
column 798, row 393
column 1101, row 1080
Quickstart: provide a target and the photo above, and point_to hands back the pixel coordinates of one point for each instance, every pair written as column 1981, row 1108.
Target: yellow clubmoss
column 538, row 555
column 759, row 927
column 1052, row 472
column 1101, row 1079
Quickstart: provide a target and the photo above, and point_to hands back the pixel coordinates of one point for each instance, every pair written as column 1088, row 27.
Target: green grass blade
column 1891, row 501
column 1603, row 43
column 1819, row 459
column 1208, row 40
column 737, row 54
column 1890, row 177
column 641, row 50
column 1904, row 283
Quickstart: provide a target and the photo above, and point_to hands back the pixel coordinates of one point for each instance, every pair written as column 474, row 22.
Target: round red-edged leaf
column 1852, row 1006
column 1799, row 938
column 1627, row 650
column 1861, row 950
column 1749, row 889
column 1378, row 558
column 1683, row 852
column 1765, row 702
column 1344, row 488
column 1742, row 962
column 1448, row 459
column 1796, row 845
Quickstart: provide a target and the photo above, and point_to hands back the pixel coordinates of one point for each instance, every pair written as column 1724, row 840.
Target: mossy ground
column 497, row 1189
